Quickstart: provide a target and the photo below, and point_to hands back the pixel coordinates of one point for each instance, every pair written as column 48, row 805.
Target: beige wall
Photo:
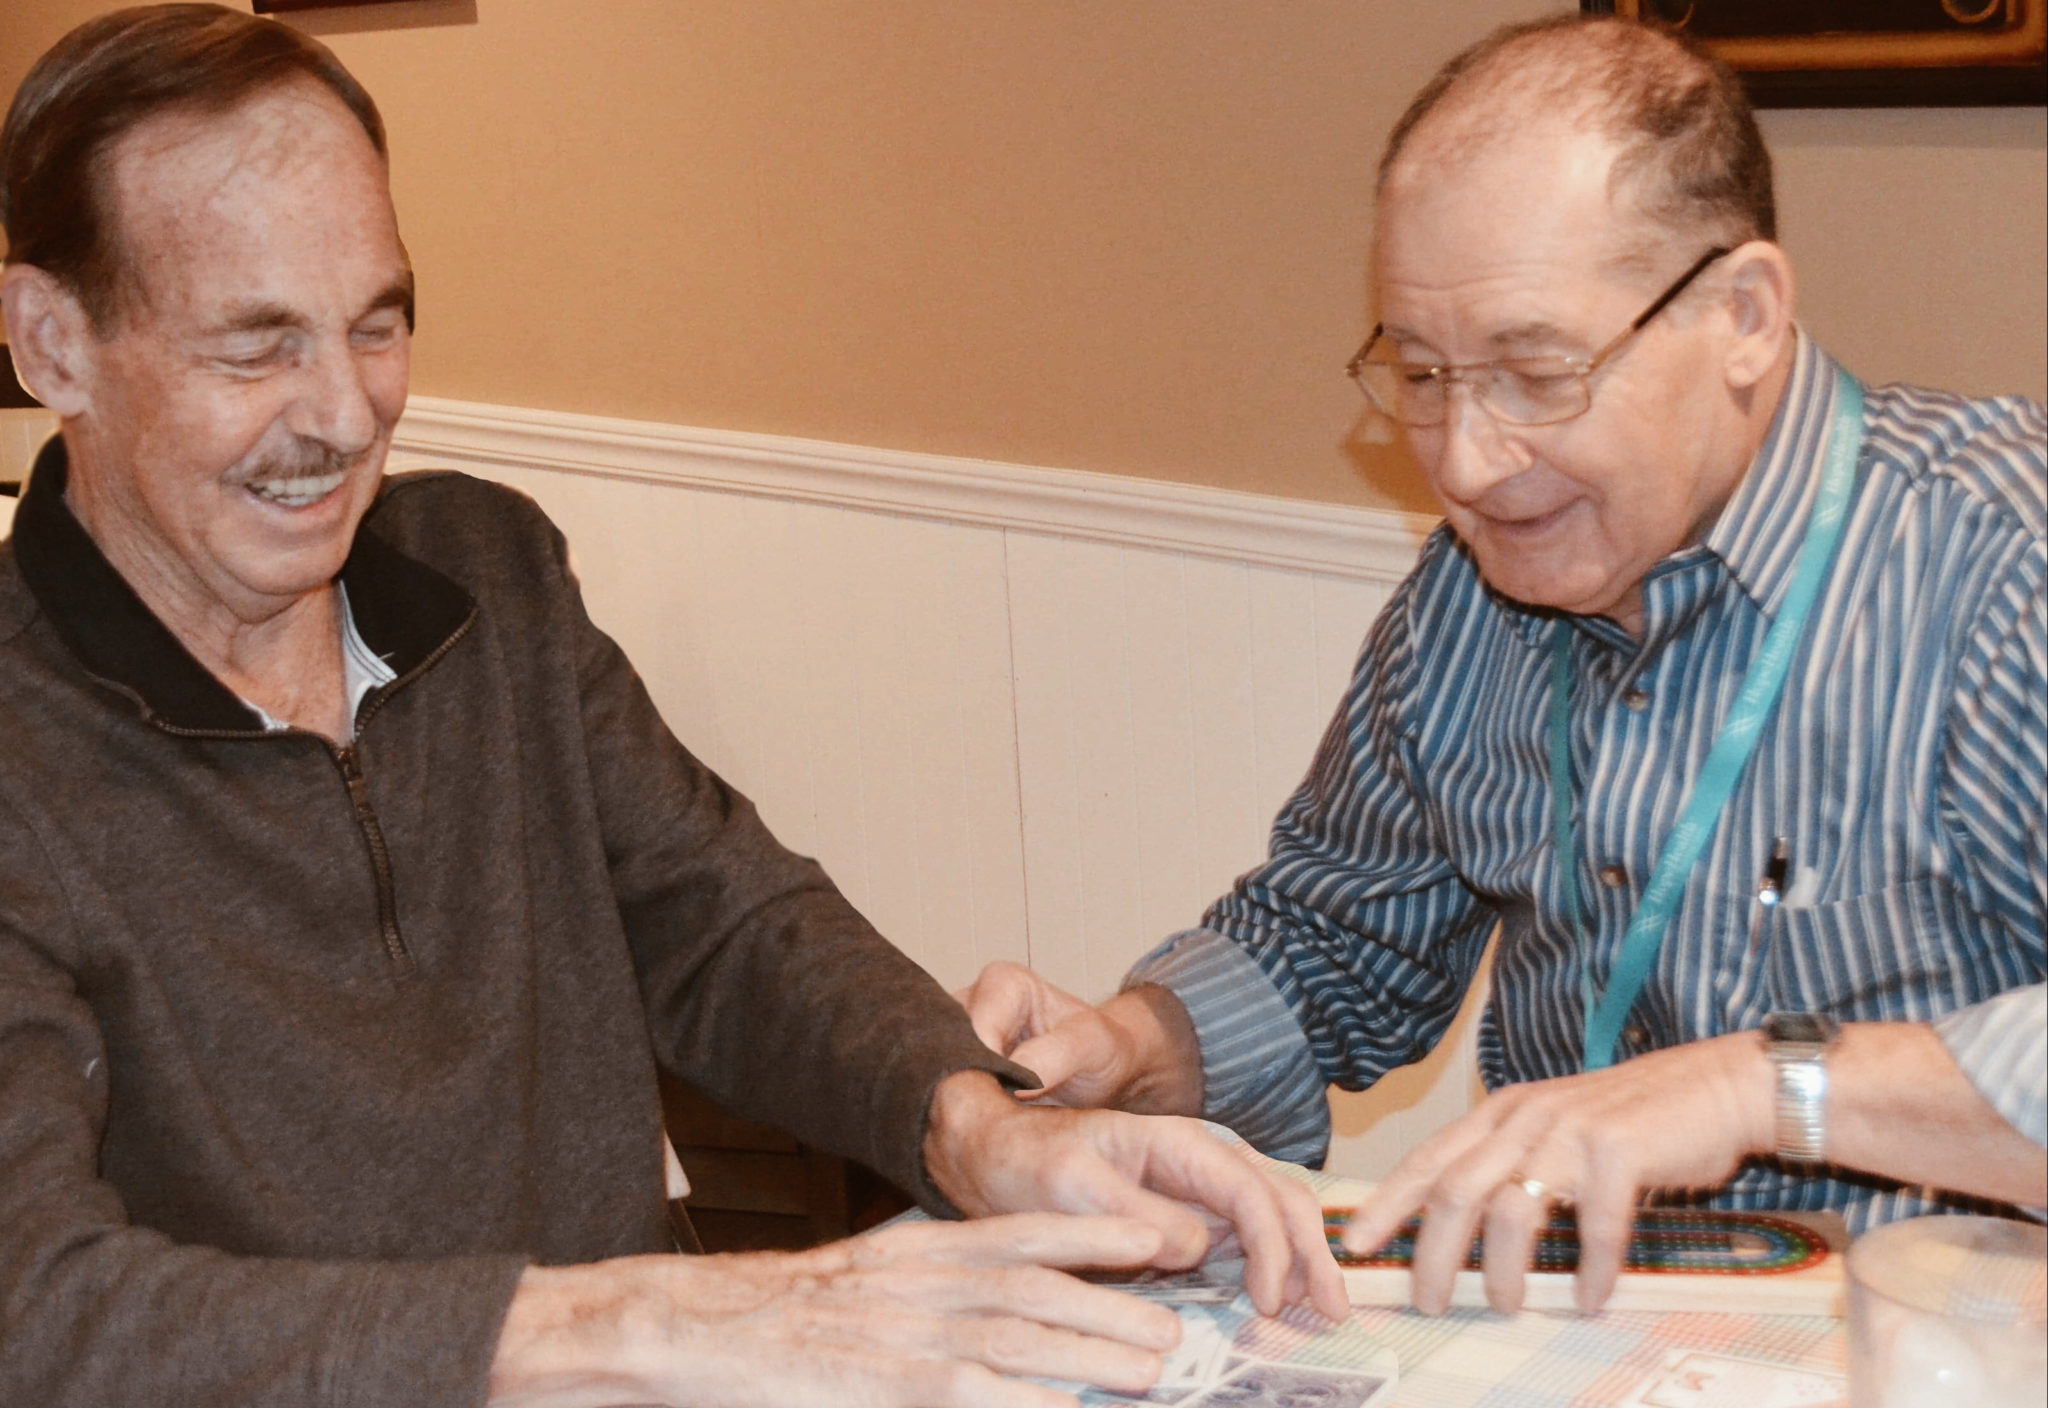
column 1121, row 235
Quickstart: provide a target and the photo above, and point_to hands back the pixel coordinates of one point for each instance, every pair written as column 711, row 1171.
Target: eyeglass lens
column 1520, row 391
column 1534, row 392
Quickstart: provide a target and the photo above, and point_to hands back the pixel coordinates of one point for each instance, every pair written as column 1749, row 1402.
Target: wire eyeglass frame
column 1487, row 378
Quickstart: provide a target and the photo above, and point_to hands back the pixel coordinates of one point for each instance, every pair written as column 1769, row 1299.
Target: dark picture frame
column 1867, row 53
column 285, row 7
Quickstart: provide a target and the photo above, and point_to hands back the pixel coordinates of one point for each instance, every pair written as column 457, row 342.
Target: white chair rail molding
column 1017, row 712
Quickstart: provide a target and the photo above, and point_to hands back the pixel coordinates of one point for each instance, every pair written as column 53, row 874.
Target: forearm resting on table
column 1899, row 1105
column 911, row 1316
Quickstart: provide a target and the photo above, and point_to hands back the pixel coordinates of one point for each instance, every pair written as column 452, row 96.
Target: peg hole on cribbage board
column 1665, row 1241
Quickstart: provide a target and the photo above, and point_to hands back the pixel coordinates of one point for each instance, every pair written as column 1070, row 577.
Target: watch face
column 1808, row 1027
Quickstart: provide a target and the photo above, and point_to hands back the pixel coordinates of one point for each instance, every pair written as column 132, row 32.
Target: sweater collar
column 404, row 610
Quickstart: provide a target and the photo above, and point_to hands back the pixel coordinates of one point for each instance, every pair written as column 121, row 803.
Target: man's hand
column 928, row 1315
column 1136, row 1052
column 1679, row 1118
column 990, row 1154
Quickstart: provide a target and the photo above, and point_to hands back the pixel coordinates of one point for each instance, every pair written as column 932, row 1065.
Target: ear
column 50, row 337
column 1759, row 306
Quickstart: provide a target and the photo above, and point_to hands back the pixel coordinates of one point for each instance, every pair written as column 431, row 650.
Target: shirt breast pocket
column 1896, row 954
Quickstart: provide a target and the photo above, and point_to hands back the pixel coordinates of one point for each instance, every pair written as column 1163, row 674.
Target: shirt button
column 1613, row 876
column 1636, row 1037
column 1636, row 700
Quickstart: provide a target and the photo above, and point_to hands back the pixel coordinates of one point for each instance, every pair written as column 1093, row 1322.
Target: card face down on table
column 1679, row 1259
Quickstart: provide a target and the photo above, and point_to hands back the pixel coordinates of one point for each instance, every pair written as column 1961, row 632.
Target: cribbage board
column 1776, row 1263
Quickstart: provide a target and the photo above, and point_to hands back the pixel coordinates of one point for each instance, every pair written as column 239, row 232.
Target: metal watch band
column 1797, row 1043
column 1802, row 1091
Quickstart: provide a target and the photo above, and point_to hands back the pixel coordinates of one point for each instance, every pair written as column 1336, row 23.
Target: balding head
column 1689, row 167
column 104, row 79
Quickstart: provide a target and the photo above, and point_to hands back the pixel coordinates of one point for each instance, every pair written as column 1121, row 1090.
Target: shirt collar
column 362, row 669
column 1759, row 533
column 404, row 610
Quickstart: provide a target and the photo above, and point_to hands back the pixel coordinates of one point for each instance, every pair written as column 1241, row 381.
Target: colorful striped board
column 1679, row 1259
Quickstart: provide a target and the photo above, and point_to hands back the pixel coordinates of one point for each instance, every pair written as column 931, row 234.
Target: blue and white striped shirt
column 1906, row 764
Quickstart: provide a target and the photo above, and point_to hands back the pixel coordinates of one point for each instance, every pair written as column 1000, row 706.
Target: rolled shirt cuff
column 1259, row 1077
column 2002, row 1046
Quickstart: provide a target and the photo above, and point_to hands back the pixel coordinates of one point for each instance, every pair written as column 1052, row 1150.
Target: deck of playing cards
column 1207, row 1370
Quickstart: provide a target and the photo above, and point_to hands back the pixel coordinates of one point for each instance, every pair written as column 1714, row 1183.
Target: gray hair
column 1688, row 153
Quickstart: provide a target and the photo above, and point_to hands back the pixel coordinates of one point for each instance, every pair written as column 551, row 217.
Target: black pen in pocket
column 1770, row 890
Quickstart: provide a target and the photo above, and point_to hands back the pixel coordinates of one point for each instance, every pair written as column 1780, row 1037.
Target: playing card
column 1187, row 1288
column 1197, row 1361
column 1259, row 1385
column 1203, row 1358
column 1103, row 1398
column 1181, row 1286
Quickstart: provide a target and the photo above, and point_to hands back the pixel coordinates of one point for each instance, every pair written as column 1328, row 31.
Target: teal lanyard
column 1605, row 1012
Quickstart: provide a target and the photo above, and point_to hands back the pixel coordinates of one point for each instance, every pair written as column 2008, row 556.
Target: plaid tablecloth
column 1477, row 1359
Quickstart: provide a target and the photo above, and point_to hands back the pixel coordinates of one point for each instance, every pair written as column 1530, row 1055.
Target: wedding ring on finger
column 1536, row 1188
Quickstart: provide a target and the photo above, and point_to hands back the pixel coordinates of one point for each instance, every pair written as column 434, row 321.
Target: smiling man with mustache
column 352, row 891
column 1723, row 693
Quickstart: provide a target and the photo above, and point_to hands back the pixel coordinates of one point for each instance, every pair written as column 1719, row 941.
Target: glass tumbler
column 1949, row 1312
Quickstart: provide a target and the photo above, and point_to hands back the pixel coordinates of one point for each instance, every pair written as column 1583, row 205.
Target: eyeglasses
column 1514, row 390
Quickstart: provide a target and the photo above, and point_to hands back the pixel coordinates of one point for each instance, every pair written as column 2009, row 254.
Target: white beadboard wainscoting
column 1019, row 713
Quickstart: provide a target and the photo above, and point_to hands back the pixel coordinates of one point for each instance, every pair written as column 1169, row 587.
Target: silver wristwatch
column 1797, row 1043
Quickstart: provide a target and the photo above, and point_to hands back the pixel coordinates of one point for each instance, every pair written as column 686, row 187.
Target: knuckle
column 1299, row 1199
column 1606, row 1147
column 951, row 1381
column 1512, row 1212
column 1459, row 1192
column 1008, row 1343
column 1449, row 1204
column 1032, row 1289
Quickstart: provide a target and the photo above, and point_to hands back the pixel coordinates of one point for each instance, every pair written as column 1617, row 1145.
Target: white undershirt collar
column 362, row 669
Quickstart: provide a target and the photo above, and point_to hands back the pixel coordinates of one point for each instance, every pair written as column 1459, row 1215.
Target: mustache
column 305, row 459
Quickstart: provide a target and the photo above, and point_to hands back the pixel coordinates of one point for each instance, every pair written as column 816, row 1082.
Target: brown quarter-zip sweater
column 306, row 1050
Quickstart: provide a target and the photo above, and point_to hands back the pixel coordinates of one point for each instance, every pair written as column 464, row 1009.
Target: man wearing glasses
column 1721, row 693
